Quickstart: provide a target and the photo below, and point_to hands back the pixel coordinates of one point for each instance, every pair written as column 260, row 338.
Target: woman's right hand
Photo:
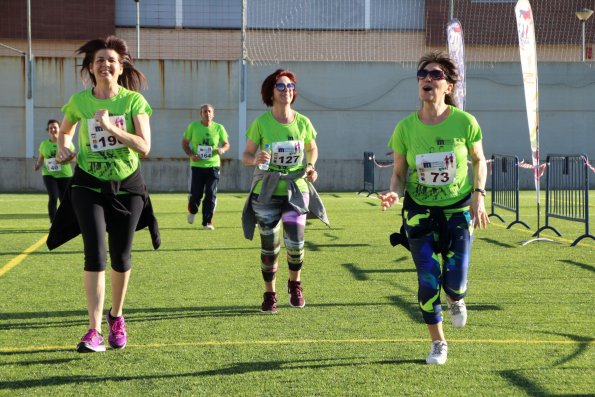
column 388, row 199
column 65, row 155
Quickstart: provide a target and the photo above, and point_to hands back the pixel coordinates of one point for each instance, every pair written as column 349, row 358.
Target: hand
column 479, row 215
column 64, row 156
column 311, row 174
column 102, row 118
column 388, row 199
column 220, row 151
column 262, row 157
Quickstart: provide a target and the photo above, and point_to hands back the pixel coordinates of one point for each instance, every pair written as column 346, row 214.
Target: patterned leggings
column 435, row 270
column 268, row 217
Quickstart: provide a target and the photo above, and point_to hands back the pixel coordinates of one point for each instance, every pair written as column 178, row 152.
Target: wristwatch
column 480, row 191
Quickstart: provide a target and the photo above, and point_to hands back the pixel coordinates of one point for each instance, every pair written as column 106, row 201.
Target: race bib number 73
column 101, row 140
column 436, row 169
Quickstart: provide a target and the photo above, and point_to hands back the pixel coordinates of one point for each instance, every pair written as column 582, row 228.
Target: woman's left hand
column 479, row 215
column 311, row 174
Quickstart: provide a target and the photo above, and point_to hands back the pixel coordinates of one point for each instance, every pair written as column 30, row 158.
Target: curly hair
column 131, row 77
column 447, row 66
column 268, row 85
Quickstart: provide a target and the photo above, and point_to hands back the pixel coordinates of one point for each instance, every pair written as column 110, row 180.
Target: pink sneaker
column 117, row 331
column 92, row 342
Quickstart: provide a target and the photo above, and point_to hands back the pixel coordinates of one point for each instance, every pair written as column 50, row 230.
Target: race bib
column 204, row 152
column 52, row 165
column 101, row 140
column 287, row 153
column 436, row 169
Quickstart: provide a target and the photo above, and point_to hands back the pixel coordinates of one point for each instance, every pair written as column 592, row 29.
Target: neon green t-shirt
column 204, row 141
column 287, row 145
column 100, row 154
column 48, row 150
column 437, row 156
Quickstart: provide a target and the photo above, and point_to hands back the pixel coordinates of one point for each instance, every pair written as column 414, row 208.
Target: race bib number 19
column 101, row 140
column 287, row 153
column 436, row 169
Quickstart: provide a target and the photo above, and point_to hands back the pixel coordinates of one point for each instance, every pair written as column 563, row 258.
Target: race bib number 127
column 287, row 153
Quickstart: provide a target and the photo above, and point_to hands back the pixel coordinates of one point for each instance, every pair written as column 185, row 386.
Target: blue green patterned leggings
column 436, row 270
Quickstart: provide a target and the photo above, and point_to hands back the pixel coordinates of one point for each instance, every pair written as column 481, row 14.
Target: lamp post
column 137, row 28
column 583, row 15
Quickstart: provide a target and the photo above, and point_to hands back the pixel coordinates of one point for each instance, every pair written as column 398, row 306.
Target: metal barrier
column 368, row 174
column 567, row 191
column 505, row 186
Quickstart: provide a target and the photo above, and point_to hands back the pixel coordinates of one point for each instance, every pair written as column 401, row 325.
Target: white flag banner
column 456, row 51
column 528, row 54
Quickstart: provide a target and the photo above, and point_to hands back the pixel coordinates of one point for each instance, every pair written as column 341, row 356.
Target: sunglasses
column 282, row 87
column 434, row 74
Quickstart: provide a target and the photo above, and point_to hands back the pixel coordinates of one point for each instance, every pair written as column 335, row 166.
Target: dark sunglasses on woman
column 282, row 87
column 434, row 74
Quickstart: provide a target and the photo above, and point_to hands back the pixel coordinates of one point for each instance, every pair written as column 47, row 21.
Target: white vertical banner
column 528, row 54
column 456, row 51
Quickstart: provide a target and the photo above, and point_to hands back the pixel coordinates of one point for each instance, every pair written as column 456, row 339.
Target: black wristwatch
column 480, row 191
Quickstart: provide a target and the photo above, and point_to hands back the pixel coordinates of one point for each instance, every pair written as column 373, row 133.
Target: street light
column 583, row 15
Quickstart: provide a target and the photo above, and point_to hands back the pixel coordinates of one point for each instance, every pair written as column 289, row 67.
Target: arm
column 311, row 159
column 397, row 182
column 65, row 135
column 38, row 162
column 140, row 141
column 480, row 171
column 221, row 150
column 188, row 150
column 250, row 158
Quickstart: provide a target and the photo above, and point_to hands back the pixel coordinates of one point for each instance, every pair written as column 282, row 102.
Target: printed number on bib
column 101, row 140
column 204, row 152
column 52, row 165
column 436, row 169
column 287, row 153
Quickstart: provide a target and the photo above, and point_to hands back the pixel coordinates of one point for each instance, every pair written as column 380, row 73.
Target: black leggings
column 56, row 187
column 95, row 216
column 204, row 181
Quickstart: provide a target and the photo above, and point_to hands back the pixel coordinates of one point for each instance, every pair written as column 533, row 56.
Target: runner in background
column 441, row 206
column 204, row 143
column 56, row 176
column 282, row 190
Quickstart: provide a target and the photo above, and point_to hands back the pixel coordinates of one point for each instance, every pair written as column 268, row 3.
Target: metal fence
column 505, row 187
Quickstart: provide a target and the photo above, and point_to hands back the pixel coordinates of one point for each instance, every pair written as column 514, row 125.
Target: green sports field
column 194, row 327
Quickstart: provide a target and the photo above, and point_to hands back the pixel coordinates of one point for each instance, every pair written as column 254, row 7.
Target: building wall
column 353, row 106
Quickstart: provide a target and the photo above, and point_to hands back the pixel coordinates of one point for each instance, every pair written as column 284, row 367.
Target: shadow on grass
column 43, row 362
column 236, row 369
column 78, row 318
column 310, row 246
column 523, row 383
column 583, row 266
column 20, row 217
column 584, row 343
column 362, row 275
column 496, row 242
column 25, row 231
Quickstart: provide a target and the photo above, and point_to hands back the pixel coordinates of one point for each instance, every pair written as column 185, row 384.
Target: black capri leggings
column 95, row 216
column 56, row 187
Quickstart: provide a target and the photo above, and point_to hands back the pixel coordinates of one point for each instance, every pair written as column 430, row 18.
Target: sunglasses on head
column 434, row 74
column 282, row 87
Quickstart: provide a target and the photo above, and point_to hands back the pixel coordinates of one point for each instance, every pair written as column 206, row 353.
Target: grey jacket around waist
column 270, row 179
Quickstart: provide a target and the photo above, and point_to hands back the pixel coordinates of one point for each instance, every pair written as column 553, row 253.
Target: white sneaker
column 457, row 311
column 209, row 226
column 191, row 218
column 438, row 352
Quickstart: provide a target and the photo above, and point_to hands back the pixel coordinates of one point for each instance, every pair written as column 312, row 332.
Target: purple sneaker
column 117, row 331
column 269, row 303
column 296, row 295
column 92, row 342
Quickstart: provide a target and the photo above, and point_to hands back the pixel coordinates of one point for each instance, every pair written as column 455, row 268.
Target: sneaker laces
column 295, row 288
column 437, row 348
column 118, row 327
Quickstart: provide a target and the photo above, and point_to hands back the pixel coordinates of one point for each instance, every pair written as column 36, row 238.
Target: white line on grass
column 21, row 257
column 305, row 342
